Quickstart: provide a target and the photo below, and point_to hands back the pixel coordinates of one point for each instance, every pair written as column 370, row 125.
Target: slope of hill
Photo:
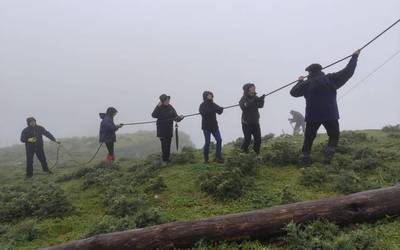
column 135, row 145
column 78, row 201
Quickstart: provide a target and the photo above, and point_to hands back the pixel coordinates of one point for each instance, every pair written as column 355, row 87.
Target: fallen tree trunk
column 258, row 224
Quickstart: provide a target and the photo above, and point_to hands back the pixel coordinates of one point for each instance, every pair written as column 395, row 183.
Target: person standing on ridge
column 209, row 124
column 165, row 114
column 107, row 131
column 32, row 136
column 320, row 93
column 298, row 119
column 250, row 103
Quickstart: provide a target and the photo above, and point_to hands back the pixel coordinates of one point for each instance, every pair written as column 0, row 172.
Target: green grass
column 183, row 199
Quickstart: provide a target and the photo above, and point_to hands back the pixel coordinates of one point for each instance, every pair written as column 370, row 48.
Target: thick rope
column 82, row 163
column 280, row 88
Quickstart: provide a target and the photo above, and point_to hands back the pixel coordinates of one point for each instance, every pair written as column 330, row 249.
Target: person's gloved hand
column 32, row 140
column 120, row 125
column 357, row 52
column 263, row 96
column 301, row 78
column 180, row 118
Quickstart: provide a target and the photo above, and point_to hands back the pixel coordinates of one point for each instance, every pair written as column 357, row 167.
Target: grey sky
column 64, row 61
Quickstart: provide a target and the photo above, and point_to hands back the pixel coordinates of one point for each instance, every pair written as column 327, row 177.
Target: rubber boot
column 109, row 158
column 329, row 153
column 305, row 159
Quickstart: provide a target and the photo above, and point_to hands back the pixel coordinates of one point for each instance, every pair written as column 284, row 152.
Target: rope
column 73, row 158
column 59, row 146
column 57, row 157
column 282, row 87
column 371, row 73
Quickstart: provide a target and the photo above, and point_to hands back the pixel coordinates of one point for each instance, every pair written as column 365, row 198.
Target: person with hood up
column 107, row 131
column 32, row 136
column 165, row 114
column 320, row 93
column 209, row 124
column 250, row 103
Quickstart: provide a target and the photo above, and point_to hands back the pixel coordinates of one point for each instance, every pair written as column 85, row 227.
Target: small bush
column 324, row 235
column 246, row 163
column 317, row 235
column 223, row 185
column 391, row 128
column 156, row 185
column 314, row 176
column 354, row 137
column 41, row 200
column 287, row 196
column 267, row 138
column 358, row 240
column 348, row 182
column 344, row 146
column 22, row 232
column 149, row 217
column 122, row 205
column 109, row 224
column 187, row 155
column 282, row 153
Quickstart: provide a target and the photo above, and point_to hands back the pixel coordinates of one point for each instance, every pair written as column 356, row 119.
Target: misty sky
column 64, row 61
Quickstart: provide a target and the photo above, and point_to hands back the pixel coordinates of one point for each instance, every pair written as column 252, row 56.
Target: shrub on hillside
column 282, row 152
column 314, row 176
column 246, row 163
column 41, row 200
column 187, row 155
column 354, row 137
column 156, row 185
column 358, row 240
column 316, row 235
column 75, row 175
column 122, row 205
column 135, row 207
column 24, row 231
column 100, row 177
column 266, row 138
column 287, row 195
column 109, row 224
column 228, row 184
column 344, row 146
column 324, row 235
column 391, row 128
column 348, row 182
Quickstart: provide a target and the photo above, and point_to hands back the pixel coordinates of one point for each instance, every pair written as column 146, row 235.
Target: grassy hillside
column 78, row 201
column 135, row 145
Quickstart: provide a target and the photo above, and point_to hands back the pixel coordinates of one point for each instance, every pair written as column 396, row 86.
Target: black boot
column 305, row 159
column 329, row 153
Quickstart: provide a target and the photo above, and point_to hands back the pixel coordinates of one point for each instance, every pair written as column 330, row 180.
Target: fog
column 64, row 61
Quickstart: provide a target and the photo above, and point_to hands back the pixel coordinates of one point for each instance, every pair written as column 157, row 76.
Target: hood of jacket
column 205, row 94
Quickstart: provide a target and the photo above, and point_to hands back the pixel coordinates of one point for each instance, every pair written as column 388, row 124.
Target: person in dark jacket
column 165, row 115
column 250, row 103
column 320, row 92
column 209, row 124
column 298, row 120
column 107, row 131
column 32, row 136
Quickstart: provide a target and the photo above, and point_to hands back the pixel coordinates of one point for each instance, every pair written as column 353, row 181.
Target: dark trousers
column 30, row 152
column 332, row 128
column 207, row 137
column 248, row 131
column 166, row 148
column 110, row 147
